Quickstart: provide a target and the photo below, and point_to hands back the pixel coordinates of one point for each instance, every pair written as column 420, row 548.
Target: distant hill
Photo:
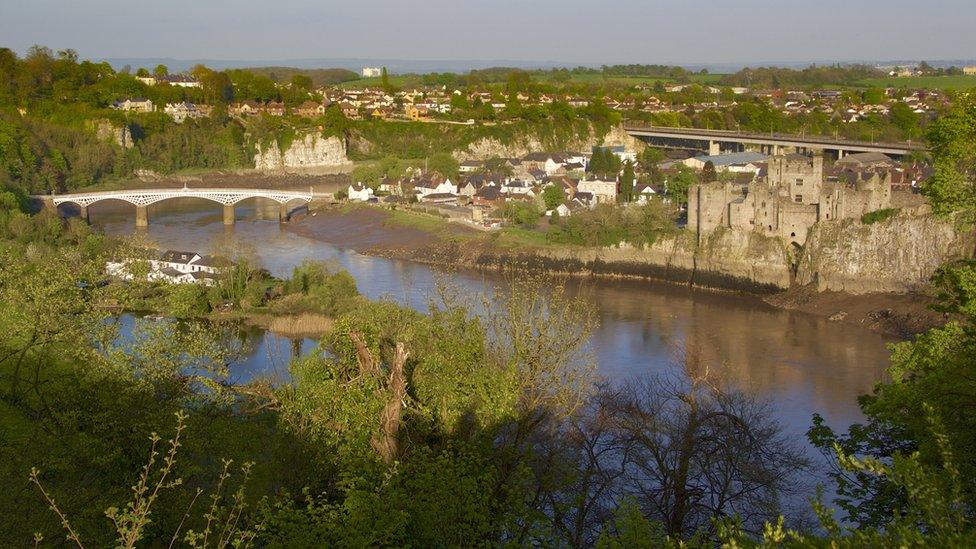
column 320, row 77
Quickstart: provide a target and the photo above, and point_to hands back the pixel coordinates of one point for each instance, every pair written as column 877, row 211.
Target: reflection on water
column 803, row 364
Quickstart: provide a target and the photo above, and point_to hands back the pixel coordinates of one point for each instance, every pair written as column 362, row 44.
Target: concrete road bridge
column 142, row 198
column 717, row 141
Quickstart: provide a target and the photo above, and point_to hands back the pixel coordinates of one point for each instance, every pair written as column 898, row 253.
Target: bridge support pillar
column 714, row 148
column 229, row 214
column 840, row 154
column 84, row 214
column 283, row 213
column 142, row 216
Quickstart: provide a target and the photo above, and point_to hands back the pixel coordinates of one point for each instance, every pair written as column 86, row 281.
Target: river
column 802, row 364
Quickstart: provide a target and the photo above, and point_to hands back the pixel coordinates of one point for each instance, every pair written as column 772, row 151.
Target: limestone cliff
column 307, row 151
column 729, row 259
column 105, row 131
column 895, row 255
column 486, row 148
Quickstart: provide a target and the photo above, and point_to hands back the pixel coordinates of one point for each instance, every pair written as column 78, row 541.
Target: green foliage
column 930, row 381
column 678, row 183
column 317, row 287
column 609, row 225
column 444, row 164
column 708, row 173
column 553, row 196
column 522, row 212
column 603, row 162
column 627, row 182
column 879, row 215
column 952, row 138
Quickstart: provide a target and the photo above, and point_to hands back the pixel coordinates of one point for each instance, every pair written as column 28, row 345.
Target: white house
column 434, row 186
column 185, row 262
column 643, row 194
column 172, row 266
column 602, row 191
column 136, row 105
column 372, row 72
column 563, row 210
column 517, row 186
column 181, row 111
column 360, row 192
column 469, row 166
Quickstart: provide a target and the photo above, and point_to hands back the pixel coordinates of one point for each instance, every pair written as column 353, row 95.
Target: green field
column 635, row 80
column 395, row 80
column 918, row 82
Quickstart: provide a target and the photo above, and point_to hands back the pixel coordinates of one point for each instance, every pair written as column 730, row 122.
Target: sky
column 572, row 31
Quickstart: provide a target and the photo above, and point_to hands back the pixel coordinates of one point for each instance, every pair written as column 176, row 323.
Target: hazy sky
column 646, row 31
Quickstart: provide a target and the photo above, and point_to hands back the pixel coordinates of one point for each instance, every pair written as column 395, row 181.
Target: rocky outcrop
column 106, row 131
column 738, row 254
column 486, row 147
column 729, row 259
column 307, row 151
column 897, row 255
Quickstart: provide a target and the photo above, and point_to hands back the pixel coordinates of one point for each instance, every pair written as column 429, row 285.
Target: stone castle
column 786, row 201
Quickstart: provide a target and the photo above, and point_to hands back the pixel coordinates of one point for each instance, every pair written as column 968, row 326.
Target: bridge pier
column 282, row 213
column 229, row 216
column 714, row 148
column 142, row 216
column 84, row 214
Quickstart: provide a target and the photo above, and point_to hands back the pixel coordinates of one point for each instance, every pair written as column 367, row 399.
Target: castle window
column 798, row 198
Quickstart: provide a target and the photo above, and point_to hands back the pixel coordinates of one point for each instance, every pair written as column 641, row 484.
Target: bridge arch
column 143, row 198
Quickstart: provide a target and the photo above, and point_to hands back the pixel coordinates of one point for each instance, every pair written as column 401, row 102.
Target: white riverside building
column 173, row 266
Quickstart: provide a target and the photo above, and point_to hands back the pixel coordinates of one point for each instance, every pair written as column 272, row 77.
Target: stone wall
column 897, row 255
column 308, row 151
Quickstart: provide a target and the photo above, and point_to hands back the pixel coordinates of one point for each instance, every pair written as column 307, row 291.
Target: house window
column 798, row 198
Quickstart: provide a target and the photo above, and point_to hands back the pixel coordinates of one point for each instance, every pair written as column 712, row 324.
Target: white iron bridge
column 142, row 198
column 145, row 197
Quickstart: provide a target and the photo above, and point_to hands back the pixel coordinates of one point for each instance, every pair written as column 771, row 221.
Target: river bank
column 449, row 246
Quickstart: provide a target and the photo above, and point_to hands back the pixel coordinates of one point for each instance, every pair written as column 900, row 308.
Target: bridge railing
column 703, row 133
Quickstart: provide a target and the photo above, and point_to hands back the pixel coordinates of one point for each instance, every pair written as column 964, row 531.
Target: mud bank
column 763, row 270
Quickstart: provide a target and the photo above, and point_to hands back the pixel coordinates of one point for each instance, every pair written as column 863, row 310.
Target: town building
column 135, row 105
column 372, row 72
column 360, row 192
column 603, row 191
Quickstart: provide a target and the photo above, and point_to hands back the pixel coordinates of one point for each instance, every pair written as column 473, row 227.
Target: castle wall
column 792, row 199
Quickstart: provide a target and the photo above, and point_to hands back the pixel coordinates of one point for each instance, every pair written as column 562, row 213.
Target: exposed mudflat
column 366, row 230
column 899, row 315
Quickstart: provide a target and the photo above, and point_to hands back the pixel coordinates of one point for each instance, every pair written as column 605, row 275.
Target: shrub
column 878, row 215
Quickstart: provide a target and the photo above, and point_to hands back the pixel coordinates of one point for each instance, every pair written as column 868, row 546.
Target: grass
column 635, row 80
column 514, row 237
column 301, row 325
column 878, row 215
column 931, row 82
column 423, row 222
column 375, row 82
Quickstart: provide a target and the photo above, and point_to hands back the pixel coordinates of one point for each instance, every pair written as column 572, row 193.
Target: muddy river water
column 802, row 364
